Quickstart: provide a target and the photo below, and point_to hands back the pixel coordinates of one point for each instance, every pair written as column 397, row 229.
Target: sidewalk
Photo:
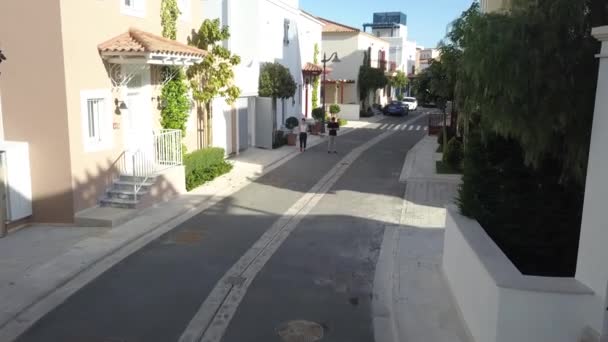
column 414, row 303
column 37, row 260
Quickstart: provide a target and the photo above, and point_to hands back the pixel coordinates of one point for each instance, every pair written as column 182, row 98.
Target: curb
column 383, row 316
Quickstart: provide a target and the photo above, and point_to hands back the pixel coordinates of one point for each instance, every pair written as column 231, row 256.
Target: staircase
column 138, row 170
column 127, row 191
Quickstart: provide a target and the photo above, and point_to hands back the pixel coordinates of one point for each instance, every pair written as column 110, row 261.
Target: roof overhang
column 150, row 58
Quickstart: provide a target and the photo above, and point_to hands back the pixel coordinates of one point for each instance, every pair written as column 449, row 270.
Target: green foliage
column 369, row 79
column 532, row 217
column 454, row 153
column 342, row 122
column 334, row 109
column 291, row 122
column 444, row 168
column 318, row 113
column 169, row 12
column 315, row 81
column 276, row 81
column 450, row 134
column 399, row 97
column 214, row 76
column 400, row 80
column 176, row 110
column 205, row 165
column 280, row 139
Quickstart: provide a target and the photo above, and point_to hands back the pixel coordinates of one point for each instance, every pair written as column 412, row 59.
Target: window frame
column 103, row 139
column 138, row 9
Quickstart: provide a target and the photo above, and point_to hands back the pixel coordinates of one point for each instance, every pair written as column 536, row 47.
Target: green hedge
column 205, row 165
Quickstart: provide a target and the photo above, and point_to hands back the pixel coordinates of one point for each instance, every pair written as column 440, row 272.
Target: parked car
column 396, row 108
column 410, row 102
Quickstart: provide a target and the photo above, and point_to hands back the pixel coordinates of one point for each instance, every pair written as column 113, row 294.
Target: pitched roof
column 332, row 26
column 312, row 68
column 139, row 41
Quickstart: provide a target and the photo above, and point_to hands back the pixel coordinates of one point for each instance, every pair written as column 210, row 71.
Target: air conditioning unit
column 15, row 180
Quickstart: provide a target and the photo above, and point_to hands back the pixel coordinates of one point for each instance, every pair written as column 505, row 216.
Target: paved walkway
column 415, row 304
column 36, row 260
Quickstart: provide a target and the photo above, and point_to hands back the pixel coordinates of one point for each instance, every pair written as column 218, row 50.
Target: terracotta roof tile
column 332, row 26
column 139, row 41
column 312, row 68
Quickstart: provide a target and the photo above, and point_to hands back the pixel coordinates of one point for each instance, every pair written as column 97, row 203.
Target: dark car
column 396, row 108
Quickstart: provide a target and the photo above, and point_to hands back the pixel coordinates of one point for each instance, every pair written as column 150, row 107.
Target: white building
column 350, row 44
column 426, row 57
column 262, row 31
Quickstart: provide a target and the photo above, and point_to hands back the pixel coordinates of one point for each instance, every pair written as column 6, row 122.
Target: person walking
column 302, row 129
column 333, row 126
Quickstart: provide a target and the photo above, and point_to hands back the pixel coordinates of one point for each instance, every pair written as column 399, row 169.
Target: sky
column 427, row 20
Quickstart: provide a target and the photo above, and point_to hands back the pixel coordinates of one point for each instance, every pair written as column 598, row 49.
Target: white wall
column 592, row 268
column 497, row 302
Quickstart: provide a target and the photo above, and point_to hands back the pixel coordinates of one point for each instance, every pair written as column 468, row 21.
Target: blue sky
column 427, row 20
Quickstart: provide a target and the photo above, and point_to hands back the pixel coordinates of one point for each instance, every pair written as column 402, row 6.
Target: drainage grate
column 300, row 331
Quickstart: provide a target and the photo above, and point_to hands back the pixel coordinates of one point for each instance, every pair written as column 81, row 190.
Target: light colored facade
column 58, row 97
column 350, row 44
column 494, row 5
column 392, row 27
column 426, row 57
column 263, row 31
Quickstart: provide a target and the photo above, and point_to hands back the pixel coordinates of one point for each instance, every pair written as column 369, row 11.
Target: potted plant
column 334, row 109
column 317, row 114
column 290, row 124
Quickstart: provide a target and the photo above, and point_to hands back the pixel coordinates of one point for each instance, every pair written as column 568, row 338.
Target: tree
column 399, row 81
column 276, row 82
column 214, row 76
column 370, row 79
column 169, row 13
column 315, row 81
column 174, row 95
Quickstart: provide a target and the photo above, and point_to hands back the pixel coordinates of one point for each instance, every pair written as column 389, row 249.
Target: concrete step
column 103, row 217
column 119, row 203
column 127, row 178
column 128, row 185
column 126, row 194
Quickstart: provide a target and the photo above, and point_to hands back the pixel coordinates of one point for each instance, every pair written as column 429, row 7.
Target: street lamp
column 334, row 59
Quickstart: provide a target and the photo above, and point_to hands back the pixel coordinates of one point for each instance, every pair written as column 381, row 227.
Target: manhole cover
column 300, row 331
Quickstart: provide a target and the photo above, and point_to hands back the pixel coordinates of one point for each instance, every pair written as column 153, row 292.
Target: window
column 185, row 9
column 96, row 120
column 286, row 24
column 136, row 8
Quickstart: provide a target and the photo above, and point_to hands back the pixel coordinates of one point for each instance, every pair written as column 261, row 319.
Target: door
column 137, row 123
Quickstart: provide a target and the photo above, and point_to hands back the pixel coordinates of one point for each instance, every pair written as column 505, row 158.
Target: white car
column 410, row 102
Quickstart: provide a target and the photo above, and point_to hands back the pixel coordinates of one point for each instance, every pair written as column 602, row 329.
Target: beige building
column 424, row 58
column 81, row 87
column 350, row 44
column 494, row 5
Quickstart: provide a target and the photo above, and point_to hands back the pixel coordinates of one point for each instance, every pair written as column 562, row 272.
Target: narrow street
column 300, row 243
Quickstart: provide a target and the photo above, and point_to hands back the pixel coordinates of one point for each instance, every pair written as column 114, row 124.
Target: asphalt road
column 322, row 273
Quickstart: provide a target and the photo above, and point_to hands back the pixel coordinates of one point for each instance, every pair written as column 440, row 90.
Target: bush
column 291, row 122
column 334, row 109
column 204, row 165
column 280, row 139
column 318, row 113
column 454, row 153
column 342, row 122
column 450, row 133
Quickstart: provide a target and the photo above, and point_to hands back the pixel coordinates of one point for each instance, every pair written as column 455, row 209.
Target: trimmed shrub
column 334, row 109
column 204, row 165
column 318, row 113
column 291, row 122
column 454, row 153
column 342, row 122
column 280, row 139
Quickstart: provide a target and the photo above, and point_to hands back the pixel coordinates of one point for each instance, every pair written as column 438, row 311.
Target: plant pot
column 291, row 139
column 315, row 129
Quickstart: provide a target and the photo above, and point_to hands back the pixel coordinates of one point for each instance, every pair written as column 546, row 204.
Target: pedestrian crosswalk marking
column 418, row 128
column 411, row 128
column 426, row 128
column 404, row 127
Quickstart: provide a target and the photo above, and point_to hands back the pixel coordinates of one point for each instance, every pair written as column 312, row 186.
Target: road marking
column 411, row 128
column 383, row 126
column 398, row 127
column 418, row 127
column 426, row 128
column 213, row 317
column 404, row 127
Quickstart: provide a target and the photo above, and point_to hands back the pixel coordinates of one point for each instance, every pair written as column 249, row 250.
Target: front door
column 137, row 123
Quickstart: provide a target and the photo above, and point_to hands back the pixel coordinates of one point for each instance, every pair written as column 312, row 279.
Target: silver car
column 410, row 102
